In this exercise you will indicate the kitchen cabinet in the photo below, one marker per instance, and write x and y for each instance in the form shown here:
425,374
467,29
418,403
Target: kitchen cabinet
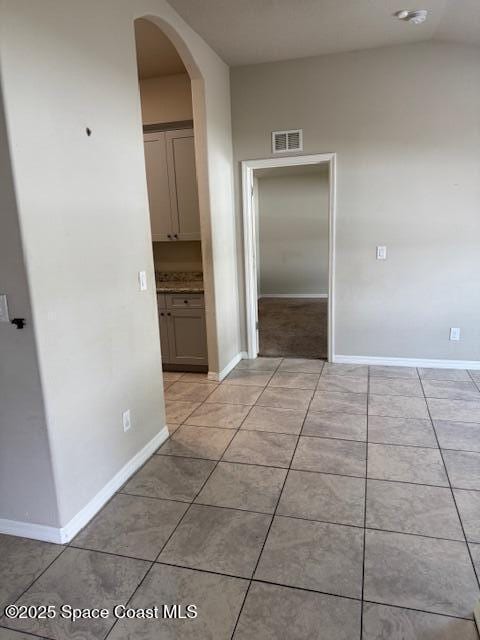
157,184
172,185
186,336
182,329
163,324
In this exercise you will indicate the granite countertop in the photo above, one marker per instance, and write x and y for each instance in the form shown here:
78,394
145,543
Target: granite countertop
179,281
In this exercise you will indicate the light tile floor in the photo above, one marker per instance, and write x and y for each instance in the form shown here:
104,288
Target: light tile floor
296,500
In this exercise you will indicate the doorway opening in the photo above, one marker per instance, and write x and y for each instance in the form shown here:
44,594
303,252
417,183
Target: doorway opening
289,246
171,172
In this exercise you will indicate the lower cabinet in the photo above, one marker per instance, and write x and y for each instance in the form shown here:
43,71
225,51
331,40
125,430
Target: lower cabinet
164,346
182,330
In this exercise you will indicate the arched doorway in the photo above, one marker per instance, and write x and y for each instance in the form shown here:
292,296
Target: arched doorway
172,98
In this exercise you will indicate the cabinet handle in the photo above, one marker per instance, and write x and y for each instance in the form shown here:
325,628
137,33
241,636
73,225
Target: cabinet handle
168,313
161,313
185,302
175,235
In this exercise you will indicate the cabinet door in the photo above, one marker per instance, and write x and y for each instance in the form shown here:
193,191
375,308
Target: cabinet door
158,186
187,336
164,342
183,184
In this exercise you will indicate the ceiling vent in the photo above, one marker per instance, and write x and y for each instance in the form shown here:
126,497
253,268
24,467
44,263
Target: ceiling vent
283,141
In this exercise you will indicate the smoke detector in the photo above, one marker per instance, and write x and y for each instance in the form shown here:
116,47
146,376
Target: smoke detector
415,16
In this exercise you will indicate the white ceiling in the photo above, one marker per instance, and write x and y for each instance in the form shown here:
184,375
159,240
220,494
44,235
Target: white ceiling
254,31
156,55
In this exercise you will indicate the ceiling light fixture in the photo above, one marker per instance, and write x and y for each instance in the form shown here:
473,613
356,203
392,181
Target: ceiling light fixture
415,16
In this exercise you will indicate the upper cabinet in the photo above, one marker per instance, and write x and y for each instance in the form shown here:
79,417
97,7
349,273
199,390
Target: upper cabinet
172,185
158,186
183,183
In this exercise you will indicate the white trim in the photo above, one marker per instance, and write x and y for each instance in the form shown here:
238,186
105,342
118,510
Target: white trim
408,362
249,215
30,530
219,376
62,535
293,295
332,244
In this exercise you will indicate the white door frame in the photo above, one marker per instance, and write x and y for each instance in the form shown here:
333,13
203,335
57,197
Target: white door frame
249,239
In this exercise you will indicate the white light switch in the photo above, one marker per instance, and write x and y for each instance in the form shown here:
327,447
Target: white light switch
454,333
381,253
3,308
142,280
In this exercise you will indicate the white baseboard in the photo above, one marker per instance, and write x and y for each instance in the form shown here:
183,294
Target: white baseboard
293,295
64,534
30,530
219,376
408,362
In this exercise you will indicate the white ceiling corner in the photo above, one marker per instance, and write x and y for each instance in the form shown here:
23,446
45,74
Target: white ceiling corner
255,31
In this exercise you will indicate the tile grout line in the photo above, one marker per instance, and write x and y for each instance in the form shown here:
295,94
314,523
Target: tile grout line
27,633
309,590
185,513
70,545
261,550
309,435
251,407
324,437
273,515
190,504
2,617
217,384
236,430
184,423
177,525
477,384
362,606
270,582
291,516
374,415
277,515
454,499
366,476
386,444
328,473
433,613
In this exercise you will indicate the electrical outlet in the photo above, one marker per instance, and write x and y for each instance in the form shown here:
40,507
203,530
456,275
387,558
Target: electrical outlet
381,253
3,308
142,280
127,422
454,333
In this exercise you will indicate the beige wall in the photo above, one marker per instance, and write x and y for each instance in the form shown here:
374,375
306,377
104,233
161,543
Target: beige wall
83,210
177,256
293,233
27,490
166,99
405,123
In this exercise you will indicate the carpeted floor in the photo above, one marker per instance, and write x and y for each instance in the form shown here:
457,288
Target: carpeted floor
293,327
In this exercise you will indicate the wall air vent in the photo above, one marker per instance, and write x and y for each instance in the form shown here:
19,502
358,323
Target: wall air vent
283,141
